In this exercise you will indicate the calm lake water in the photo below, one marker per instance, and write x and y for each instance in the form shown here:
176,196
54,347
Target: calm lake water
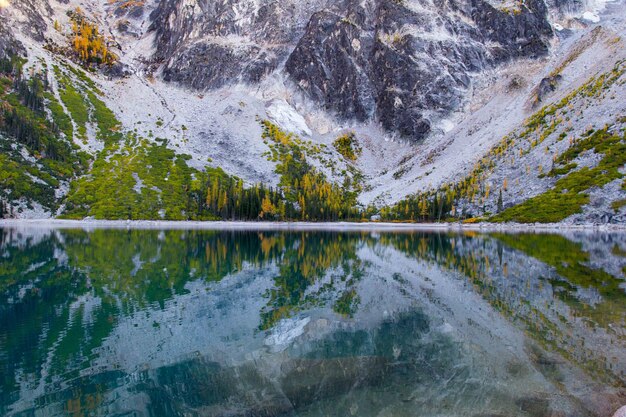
226,323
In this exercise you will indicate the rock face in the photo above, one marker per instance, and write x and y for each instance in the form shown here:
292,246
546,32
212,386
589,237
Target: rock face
207,44
563,8
30,21
32,16
548,85
406,63
8,45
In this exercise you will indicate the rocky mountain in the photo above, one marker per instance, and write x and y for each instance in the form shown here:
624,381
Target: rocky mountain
390,99
406,64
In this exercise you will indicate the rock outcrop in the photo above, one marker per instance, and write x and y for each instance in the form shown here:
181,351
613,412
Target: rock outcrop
29,18
410,63
403,63
207,44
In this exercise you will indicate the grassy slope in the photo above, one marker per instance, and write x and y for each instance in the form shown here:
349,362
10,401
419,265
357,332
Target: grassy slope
569,194
131,178
477,189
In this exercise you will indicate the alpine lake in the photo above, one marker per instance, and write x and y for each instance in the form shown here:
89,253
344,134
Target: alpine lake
146,322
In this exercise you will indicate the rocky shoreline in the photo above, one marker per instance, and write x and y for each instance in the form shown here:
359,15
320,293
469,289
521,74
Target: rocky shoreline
296,226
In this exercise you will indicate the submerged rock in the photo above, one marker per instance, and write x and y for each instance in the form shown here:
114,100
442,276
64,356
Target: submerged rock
306,381
534,406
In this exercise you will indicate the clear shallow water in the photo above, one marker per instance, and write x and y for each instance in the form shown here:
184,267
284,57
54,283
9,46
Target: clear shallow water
149,322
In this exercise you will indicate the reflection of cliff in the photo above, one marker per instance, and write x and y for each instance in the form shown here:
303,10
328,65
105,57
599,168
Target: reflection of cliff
212,323
576,279
401,366
305,264
546,284
63,293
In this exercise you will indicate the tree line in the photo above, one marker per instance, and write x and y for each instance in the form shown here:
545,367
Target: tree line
225,197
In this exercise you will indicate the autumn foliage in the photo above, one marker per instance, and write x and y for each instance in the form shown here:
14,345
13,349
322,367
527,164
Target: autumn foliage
88,43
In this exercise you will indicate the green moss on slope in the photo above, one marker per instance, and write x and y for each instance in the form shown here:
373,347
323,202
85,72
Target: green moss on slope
139,180
60,118
568,196
74,102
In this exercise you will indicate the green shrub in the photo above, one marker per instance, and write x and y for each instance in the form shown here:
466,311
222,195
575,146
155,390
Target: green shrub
348,146
617,205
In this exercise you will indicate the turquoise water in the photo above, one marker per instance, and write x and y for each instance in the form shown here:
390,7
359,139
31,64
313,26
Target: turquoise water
225,323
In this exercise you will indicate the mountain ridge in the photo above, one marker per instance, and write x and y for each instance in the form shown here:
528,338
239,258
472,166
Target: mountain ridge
219,126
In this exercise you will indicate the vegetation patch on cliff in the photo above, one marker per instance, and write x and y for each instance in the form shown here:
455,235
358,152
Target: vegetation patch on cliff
568,195
88,43
35,156
311,195
347,146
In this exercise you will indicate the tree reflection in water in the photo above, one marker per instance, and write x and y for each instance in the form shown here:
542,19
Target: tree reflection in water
358,322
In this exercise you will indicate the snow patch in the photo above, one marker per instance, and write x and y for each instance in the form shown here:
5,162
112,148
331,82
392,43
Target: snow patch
285,116
591,16
593,9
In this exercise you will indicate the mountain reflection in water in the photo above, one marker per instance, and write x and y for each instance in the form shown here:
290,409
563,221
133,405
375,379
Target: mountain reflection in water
225,323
